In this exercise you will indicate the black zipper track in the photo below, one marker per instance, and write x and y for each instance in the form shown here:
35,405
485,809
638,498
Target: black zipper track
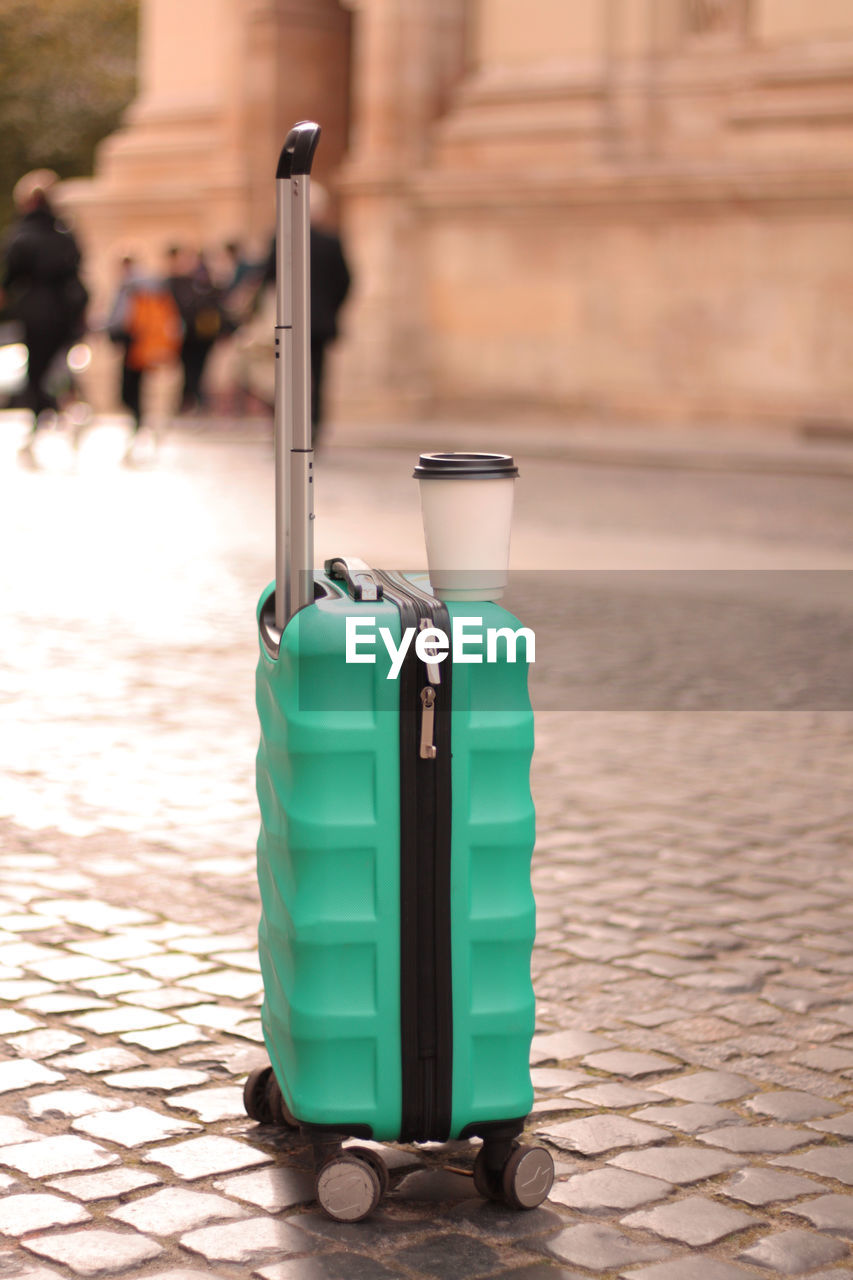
426,996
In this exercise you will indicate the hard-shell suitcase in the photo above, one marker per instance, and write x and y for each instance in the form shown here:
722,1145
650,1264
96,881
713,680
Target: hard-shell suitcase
397,829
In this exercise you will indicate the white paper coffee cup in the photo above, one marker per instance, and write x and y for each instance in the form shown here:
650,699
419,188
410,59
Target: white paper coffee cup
466,501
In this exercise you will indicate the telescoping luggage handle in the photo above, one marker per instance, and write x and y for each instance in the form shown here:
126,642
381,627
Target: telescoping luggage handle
294,456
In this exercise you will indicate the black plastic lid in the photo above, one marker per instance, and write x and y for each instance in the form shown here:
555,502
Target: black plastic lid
466,466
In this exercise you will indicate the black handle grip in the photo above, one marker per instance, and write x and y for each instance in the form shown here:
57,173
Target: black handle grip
361,583
297,154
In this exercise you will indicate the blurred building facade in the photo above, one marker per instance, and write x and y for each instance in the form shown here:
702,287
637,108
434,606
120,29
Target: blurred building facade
629,208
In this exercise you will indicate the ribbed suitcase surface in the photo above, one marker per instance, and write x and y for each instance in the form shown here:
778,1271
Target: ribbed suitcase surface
329,854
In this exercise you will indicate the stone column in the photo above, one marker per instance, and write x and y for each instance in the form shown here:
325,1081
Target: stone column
406,53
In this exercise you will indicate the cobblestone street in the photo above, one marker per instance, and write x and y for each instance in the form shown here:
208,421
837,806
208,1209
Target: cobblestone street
693,1060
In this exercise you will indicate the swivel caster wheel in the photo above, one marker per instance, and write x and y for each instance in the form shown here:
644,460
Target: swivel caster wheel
349,1188
374,1159
255,1096
527,1177
486,1179
276,1107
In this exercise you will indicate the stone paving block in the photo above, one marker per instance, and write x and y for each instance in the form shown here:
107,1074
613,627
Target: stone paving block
44,1044
829,1162
825,1059
120,946
435,1186
35,1272
655,1017
170,967
72,968
133,1127
841,1126
379,1233
203,1157
273,1188
20,1214
119,985
450,1257
792,1105
688,1117
13,1131
695,1221
247,1241
23,989
183,1273
11,1021
632,1065
609,1189
497,1223
24,1073
23,953
789,1253
160,997
221,1017
837,1273
613,1096
542,1271
594,1135
601,1248
562,1045
92,1253
157,1079
175,1209
204,943
109,1022
210,1105
332,1266
764,1186
112,1184
100,917
98,1061
682,1165
242,959
704,1086
59,1002
232,984
163,1038
758,1139
831,1213
62,1154
555,1078
688,1269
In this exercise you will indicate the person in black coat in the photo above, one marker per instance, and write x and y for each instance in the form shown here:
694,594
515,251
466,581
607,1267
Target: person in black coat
330,284
41,286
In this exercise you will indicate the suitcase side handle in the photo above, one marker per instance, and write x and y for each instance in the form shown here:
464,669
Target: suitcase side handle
297,154
358,576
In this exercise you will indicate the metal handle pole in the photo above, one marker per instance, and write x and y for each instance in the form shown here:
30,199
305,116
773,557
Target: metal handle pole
301,451
294,457
283,414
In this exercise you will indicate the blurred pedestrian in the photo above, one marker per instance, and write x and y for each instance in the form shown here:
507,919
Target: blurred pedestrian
330,284
42,291
199,302
145,322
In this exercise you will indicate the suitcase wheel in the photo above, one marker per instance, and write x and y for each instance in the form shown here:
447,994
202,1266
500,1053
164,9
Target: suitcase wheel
527,1177
522,1182
376,1162
349,1187
255,1095
263,1101
276,1106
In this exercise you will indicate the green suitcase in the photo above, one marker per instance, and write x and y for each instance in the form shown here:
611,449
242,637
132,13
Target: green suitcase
397,828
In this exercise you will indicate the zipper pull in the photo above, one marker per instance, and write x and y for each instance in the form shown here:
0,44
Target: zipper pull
428,751
433,669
